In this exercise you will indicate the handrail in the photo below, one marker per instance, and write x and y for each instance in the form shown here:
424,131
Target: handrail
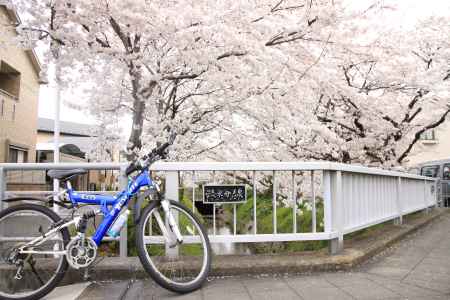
221,166
61,166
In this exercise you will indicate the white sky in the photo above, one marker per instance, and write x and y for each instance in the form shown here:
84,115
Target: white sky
407,13
47,100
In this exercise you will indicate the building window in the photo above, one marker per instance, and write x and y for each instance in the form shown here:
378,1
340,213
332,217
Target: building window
428,135
17,155
9,80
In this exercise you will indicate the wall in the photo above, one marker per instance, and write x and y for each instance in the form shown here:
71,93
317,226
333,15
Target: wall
21,131
432,150
44,137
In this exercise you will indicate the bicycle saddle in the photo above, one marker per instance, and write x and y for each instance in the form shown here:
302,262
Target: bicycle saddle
65,174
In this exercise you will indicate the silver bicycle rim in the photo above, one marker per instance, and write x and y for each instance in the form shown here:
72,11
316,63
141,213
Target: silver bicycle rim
2,263
203,243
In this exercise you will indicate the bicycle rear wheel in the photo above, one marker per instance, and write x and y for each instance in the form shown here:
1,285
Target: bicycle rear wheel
182,268
40,273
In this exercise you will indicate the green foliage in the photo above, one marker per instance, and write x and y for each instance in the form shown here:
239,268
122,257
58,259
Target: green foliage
264,213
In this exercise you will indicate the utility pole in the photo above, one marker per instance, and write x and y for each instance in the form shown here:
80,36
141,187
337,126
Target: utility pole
56,130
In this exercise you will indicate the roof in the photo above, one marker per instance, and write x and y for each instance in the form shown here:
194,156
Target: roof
67,128
434,162
83,143
12,14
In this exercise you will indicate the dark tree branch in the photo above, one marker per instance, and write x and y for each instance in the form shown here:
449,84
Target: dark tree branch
182,76
118,30
232,53
390,120
282,38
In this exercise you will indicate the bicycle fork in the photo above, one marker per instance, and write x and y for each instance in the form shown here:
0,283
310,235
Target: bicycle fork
170,220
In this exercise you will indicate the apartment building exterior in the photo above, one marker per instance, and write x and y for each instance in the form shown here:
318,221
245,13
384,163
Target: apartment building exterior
19,93
434,145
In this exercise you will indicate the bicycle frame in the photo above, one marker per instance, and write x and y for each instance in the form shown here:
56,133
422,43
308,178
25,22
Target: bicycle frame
117,202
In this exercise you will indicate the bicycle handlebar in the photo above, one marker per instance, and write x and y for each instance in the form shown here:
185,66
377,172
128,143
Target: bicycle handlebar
147,160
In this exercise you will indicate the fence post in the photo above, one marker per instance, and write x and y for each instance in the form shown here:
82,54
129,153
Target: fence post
123,239
171,193
336,245
399,219
2,186
425,197
327,212
436,194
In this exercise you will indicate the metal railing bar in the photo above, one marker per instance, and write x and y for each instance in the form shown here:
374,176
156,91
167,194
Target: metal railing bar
348,183
379,199
150,225
234,206
255,230
294,200
356,197
24,239
48,193
387,189
250,238
123,238
370,202
62,166
274,202
2,186
219,166
279,166
313,212
193,191
214,207
327,189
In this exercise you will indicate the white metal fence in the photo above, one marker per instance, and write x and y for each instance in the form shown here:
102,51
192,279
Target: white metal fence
352,197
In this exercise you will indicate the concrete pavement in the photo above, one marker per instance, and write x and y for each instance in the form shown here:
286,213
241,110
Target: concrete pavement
416,268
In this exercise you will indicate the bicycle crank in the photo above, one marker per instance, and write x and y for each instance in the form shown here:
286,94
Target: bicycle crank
79,254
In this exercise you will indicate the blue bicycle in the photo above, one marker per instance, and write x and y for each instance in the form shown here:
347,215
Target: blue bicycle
37,246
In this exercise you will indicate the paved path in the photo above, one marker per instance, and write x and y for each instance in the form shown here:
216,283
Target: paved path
416,268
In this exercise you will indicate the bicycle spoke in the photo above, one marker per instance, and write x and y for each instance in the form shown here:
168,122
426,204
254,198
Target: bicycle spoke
18,226
33,269
184,264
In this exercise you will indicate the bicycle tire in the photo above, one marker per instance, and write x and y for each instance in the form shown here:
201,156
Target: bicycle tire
63,266
150,267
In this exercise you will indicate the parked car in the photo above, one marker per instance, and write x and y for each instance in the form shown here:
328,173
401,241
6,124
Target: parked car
438,169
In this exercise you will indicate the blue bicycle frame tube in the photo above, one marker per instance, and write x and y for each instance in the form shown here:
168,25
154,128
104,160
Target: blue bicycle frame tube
116,202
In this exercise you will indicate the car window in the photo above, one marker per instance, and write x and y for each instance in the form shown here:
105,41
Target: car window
430,171
446,172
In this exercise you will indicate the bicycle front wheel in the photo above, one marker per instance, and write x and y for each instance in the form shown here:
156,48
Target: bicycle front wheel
181,268
32,275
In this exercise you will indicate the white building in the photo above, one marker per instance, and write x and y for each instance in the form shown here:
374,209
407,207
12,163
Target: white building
434,145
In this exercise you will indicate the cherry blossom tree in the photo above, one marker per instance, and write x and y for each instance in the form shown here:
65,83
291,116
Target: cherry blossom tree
367,98
181,66
253,80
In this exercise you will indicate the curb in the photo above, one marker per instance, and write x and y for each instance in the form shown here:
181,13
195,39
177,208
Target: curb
131,268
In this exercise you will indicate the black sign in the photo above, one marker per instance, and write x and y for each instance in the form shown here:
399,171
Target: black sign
228,193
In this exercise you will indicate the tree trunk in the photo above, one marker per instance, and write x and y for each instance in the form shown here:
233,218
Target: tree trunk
140,95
